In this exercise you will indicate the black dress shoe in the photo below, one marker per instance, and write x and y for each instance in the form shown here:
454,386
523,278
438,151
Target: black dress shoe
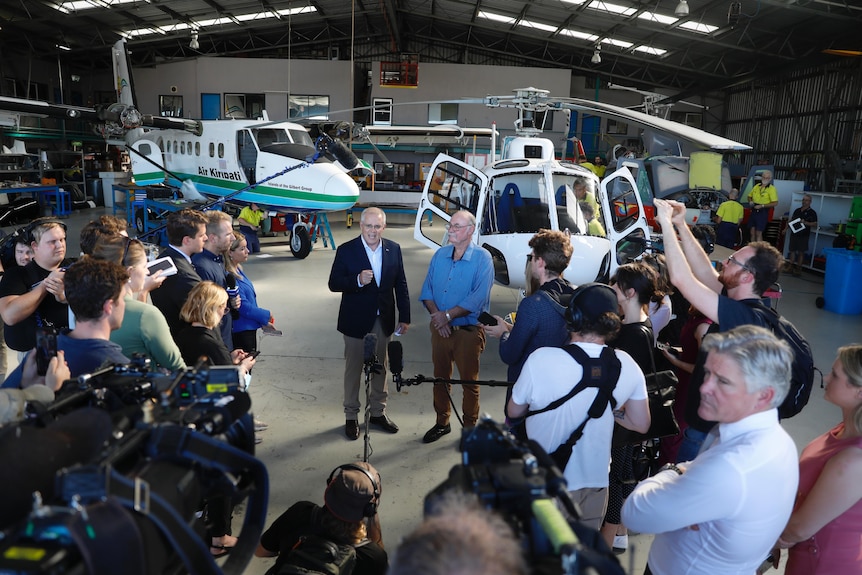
384,423
436,433
351,429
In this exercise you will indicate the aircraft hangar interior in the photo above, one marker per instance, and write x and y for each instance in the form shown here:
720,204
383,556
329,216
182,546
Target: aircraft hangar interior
317,109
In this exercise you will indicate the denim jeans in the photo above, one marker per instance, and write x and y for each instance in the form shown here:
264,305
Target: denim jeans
691,442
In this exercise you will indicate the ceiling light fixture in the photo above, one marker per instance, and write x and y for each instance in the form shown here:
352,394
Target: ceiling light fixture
597,56
681,9
194,44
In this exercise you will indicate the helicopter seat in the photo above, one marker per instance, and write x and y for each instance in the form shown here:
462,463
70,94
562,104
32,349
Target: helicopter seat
509,200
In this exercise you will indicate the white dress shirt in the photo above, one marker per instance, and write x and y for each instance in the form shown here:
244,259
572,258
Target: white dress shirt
739,492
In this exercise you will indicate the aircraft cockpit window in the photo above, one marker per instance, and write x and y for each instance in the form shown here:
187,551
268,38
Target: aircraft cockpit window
268,136
452,189
145,149
301,137
516,205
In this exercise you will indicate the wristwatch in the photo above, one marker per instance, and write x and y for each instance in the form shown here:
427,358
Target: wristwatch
672,467
448,317
505,336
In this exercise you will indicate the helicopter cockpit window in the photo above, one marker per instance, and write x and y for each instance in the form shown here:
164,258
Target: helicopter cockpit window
622,198
516,205
452,189
577,208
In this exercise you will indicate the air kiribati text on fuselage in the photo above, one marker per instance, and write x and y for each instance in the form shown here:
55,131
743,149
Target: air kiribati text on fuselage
214,173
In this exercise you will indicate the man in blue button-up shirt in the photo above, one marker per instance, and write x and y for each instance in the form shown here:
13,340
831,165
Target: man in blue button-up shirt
456,290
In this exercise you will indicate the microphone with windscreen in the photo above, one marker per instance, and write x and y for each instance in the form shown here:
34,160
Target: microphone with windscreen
232,292
370,343
396,362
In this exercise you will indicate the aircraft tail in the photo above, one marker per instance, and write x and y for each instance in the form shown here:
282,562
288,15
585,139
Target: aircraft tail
122,74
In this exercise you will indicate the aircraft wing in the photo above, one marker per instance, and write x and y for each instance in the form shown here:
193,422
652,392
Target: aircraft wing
694,136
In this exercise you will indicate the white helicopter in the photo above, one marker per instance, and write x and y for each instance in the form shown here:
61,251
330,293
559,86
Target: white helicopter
529,189
276,165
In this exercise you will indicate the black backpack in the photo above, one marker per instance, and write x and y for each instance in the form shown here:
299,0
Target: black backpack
802,370
314,554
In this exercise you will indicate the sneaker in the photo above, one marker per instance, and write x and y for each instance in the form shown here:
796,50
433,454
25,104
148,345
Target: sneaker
621,543
260,425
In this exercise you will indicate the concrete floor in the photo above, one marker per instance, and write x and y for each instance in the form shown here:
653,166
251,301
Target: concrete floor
297,385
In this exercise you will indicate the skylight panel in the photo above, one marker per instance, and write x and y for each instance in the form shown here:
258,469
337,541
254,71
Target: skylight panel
659,18
651,50
591,38
496,17
537,25
698,27
612,8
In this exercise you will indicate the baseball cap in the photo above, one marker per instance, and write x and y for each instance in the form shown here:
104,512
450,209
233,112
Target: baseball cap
593,300
350,491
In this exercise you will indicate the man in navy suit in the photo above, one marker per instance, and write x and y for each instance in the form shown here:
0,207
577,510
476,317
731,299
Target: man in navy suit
187,236
369,273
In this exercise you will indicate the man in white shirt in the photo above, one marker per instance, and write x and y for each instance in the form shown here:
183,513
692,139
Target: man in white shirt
722,512
550,373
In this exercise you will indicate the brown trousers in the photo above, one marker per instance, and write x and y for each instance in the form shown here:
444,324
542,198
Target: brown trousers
462,348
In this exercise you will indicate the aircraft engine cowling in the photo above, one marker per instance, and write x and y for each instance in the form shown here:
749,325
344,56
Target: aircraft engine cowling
337,152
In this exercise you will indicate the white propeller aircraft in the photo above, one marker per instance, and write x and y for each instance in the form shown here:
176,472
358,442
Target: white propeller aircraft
529,189
276,165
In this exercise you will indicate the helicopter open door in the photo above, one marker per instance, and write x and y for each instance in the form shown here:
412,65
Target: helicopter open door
146,163
625,219
451,186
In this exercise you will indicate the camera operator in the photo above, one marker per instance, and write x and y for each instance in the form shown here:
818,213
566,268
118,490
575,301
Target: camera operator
549,375
349,517
94,289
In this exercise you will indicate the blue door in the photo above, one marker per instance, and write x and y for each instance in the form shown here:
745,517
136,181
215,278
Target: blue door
210,106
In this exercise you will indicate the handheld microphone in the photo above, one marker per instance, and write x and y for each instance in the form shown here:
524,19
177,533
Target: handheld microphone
396,362
232,292
370,342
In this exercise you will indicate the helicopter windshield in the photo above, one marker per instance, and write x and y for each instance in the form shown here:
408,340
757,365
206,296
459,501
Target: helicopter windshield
519,206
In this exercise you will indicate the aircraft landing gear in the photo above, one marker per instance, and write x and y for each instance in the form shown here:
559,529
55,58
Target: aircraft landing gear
300,242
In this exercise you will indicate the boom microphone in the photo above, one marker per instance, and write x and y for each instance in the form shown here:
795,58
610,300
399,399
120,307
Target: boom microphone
396,362
370,342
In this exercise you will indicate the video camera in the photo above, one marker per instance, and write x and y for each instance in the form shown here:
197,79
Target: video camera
520,481
129,455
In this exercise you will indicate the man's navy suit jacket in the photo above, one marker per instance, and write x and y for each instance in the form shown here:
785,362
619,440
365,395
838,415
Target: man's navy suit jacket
172,294
359,305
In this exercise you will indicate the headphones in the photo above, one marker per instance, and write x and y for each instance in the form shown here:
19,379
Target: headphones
574,314
370,509
27,231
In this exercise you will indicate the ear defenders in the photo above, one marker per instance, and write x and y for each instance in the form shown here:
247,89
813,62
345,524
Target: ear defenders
370,509
27,231
575,314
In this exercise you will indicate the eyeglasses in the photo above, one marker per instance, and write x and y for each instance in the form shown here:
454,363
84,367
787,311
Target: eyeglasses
377,227
530,257
731,259
458,227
